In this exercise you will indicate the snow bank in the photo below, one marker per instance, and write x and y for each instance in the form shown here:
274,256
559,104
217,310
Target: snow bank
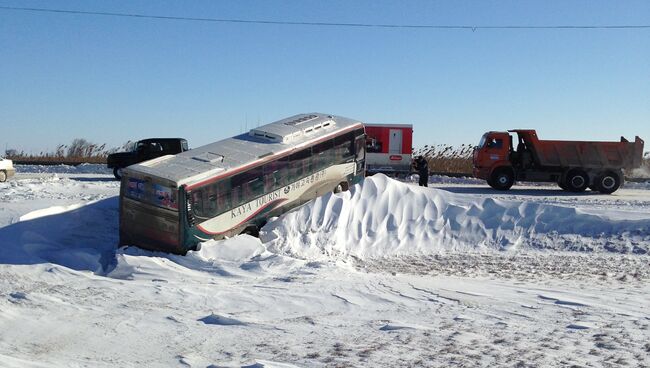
383,217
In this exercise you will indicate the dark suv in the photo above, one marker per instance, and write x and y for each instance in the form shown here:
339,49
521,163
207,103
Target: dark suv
145,149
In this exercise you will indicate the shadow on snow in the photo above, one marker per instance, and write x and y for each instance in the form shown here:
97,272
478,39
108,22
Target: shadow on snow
83,239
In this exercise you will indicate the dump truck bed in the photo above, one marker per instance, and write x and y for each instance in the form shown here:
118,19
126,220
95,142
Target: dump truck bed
585,154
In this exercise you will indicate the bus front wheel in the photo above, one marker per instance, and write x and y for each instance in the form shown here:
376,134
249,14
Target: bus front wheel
342,187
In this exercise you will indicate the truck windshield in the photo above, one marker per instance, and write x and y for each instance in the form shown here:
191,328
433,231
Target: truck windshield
481,143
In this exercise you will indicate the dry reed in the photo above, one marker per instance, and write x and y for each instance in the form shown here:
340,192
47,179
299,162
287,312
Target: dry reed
444,158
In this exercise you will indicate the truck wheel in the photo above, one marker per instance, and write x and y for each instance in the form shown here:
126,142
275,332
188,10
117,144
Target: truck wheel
3,176
117,172
608,182
576,181
502,179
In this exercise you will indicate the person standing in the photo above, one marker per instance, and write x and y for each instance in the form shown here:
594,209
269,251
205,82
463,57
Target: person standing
422,166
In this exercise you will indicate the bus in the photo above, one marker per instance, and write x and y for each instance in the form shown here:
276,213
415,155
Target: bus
175,202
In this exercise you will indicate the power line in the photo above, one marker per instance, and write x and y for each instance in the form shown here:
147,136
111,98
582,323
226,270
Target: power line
324,24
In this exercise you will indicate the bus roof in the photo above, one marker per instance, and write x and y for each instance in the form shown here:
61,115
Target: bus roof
204,162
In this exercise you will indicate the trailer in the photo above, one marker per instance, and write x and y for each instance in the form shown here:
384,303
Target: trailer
573,165
389,149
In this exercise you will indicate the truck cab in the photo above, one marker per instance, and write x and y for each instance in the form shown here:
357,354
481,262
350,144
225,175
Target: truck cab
144,150
493,150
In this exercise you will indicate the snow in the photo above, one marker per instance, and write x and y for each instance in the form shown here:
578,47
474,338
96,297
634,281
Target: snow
387,218
456,274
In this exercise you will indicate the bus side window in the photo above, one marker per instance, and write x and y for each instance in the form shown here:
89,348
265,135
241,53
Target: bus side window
300,164
235,196
197,203
212,200
212,203
210,207
283,171
275,174
254,188
223,199
322,154
344,146
249,183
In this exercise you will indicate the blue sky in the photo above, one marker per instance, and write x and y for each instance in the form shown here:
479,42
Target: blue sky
110,80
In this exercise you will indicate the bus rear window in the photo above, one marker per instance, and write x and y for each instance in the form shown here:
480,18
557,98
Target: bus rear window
155,194
135,189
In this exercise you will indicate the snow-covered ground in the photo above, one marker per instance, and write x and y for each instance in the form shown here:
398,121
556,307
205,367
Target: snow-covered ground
388,274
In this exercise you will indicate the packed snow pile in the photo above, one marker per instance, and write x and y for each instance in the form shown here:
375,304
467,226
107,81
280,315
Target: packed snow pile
383,217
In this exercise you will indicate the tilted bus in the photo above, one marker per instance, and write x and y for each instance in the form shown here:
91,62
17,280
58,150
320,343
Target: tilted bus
175,202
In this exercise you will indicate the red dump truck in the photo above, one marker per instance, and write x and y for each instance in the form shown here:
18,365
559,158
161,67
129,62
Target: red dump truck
573,165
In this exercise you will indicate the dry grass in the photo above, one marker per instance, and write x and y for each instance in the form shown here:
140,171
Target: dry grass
444,158
52,160
78,152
